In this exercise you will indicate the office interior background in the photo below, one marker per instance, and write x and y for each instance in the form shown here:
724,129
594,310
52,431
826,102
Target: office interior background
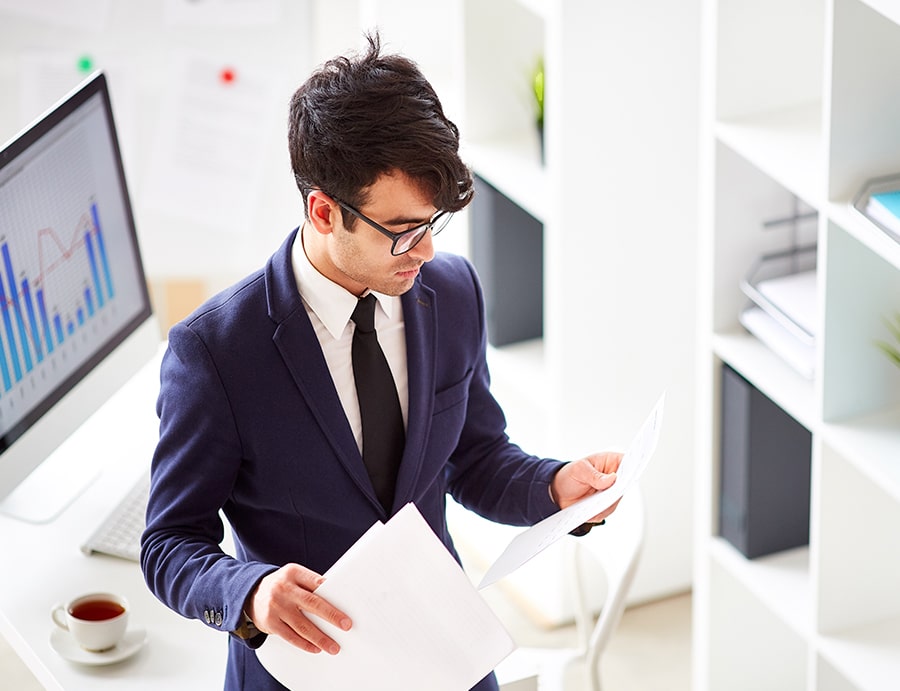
673,132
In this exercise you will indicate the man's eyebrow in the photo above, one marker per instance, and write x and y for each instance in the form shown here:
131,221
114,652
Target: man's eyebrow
408,221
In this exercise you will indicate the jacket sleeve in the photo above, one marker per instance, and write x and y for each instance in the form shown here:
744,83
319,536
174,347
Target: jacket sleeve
193,470
488,473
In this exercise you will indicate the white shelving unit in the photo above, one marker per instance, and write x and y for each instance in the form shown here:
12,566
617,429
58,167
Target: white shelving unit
802,99
616,194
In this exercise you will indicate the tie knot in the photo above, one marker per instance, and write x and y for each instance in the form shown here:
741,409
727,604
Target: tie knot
364,314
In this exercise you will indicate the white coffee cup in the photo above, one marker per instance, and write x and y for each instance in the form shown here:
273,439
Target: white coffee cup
97,621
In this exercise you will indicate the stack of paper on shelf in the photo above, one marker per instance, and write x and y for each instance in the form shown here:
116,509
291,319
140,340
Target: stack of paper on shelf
783,317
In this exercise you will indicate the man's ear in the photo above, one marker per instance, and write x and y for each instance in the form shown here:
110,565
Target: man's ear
321,209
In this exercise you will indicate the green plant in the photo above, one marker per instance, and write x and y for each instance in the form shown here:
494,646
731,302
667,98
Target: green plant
537,88
890,349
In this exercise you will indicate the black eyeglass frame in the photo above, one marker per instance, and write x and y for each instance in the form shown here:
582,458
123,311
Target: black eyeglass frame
437,223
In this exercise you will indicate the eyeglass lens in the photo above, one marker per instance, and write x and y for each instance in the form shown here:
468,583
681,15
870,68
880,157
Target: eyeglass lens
405,242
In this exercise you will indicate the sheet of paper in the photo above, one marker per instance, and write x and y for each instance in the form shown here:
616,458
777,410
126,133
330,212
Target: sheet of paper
47,76
538,537
209,159
417,619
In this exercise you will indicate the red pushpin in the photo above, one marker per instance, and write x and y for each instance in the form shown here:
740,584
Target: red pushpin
227,76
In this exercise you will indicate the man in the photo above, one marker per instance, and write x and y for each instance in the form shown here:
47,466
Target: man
261,405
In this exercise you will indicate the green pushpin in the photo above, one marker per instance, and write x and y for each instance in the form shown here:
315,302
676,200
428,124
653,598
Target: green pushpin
85,64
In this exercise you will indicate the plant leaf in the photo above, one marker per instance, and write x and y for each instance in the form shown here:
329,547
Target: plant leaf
890,351
894,327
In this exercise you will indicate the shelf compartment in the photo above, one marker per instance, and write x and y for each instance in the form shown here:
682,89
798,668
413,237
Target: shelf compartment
770,374
787,145
846,216
512,165
872,445
857,563
499,104
858,378
863,101
779,581
748,199
753,647
787,45
507,249
868,657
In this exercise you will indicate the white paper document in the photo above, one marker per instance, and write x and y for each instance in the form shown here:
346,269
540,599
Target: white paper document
209,157
416,619
538,537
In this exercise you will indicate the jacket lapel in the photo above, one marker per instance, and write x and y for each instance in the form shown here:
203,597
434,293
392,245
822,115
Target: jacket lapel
420,322
298,344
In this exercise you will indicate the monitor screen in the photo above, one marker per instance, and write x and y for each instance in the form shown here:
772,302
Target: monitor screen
72,284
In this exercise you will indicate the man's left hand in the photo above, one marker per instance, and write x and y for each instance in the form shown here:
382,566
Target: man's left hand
587,476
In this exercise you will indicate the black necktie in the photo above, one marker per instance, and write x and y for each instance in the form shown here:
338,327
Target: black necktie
379,406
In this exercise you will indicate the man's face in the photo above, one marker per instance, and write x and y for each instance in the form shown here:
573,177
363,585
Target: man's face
361,257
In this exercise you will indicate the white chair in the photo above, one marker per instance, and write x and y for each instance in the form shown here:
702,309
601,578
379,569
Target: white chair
613,550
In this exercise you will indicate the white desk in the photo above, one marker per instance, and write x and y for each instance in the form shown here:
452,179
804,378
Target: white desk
42,565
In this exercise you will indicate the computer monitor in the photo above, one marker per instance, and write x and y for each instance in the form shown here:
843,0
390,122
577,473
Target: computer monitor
75,315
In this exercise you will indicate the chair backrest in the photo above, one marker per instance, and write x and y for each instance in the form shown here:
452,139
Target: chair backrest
616,547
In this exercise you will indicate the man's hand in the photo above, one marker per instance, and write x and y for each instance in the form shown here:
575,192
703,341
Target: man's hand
278,603
582,478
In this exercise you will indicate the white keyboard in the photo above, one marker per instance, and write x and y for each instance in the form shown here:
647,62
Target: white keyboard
120,533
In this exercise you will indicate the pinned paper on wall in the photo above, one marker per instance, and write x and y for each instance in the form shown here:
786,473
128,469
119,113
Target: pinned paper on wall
207,164
91,15
47,76
222,12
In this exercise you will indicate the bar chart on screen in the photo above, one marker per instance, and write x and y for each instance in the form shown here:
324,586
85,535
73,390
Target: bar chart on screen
82,292
57,297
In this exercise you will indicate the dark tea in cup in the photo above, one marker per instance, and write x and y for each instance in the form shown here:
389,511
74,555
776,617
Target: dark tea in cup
96,610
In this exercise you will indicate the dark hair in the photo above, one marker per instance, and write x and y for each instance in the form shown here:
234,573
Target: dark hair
359,117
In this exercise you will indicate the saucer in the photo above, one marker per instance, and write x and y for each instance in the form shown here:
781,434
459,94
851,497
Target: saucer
65,646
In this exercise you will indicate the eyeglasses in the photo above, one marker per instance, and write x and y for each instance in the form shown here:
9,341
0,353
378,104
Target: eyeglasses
401,243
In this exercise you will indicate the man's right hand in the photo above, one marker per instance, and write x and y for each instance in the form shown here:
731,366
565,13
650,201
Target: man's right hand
279,603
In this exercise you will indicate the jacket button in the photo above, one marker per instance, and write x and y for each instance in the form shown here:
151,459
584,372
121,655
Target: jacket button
207,617
218,618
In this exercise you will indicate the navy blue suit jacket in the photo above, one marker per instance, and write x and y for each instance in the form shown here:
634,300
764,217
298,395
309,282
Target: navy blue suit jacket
251,423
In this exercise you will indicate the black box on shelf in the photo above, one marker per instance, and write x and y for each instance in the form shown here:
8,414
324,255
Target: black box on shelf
765,471
507,247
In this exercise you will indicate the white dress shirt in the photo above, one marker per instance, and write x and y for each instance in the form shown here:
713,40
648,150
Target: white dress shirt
329,307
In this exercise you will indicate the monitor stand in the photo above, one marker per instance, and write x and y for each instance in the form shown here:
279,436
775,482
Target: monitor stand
52,486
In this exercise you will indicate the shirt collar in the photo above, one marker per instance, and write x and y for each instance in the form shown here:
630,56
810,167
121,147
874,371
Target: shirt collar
331,303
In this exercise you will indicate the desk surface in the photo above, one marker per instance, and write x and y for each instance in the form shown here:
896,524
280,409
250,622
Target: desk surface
43,565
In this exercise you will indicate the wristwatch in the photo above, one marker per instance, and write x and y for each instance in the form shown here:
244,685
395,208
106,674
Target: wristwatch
585,528
247,629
